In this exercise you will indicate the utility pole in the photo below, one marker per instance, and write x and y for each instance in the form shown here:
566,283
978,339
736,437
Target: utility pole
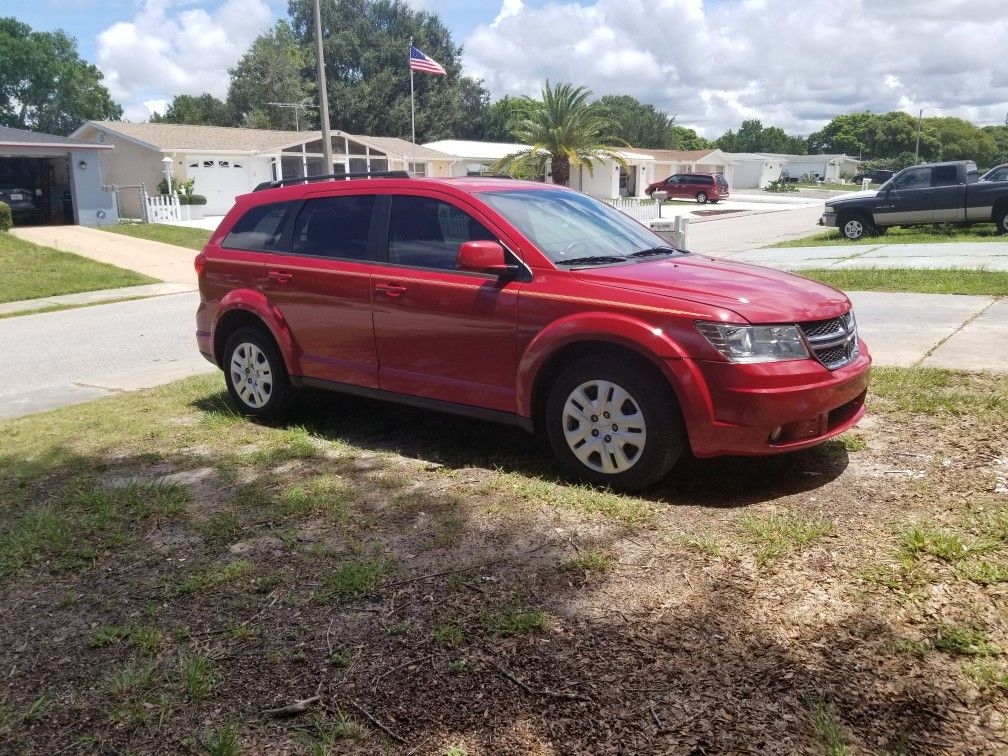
920,115
323,93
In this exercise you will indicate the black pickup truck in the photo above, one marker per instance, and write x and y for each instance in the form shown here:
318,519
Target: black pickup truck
921,195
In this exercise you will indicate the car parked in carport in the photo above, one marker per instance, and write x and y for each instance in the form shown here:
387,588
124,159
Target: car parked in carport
526,304
21,202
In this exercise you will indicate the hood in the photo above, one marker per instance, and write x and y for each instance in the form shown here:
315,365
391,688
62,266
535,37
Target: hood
853,196
760,295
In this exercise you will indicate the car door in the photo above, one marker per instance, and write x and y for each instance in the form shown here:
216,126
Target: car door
948,198
907,200
322,287
442,333
240,262
671,185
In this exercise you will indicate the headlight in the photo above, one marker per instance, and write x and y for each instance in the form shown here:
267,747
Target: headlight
830,210
748,344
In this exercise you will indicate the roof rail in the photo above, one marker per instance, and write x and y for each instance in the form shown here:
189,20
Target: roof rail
331,177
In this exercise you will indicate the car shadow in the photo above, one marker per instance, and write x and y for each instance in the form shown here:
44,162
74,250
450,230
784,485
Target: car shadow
460,442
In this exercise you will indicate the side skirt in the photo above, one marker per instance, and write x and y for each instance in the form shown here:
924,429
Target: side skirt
466,410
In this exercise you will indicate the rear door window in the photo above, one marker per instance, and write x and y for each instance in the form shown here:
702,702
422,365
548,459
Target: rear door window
260,229
335,227
426,232
944,175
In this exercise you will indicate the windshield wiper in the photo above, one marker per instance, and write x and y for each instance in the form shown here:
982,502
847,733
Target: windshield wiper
658,251
598,259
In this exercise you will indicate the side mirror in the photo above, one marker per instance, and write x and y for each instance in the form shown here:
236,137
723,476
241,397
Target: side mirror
483,257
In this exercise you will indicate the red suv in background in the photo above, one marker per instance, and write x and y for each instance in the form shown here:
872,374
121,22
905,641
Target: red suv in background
703,187
527,304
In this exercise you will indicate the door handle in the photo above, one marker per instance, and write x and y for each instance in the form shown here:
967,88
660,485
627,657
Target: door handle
392,290
280,276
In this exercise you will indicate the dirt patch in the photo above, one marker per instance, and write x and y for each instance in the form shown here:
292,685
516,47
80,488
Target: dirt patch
425,584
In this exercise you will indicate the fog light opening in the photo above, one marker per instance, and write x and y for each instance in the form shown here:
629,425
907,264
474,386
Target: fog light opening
777,434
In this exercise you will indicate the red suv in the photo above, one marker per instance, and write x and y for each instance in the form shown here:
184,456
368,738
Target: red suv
703,187
527,304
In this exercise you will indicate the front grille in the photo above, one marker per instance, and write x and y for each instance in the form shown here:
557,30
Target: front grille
833,342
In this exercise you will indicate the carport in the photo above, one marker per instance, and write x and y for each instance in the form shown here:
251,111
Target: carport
50,179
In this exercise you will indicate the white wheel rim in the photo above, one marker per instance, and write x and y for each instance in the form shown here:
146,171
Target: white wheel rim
251,375
604,427
853,229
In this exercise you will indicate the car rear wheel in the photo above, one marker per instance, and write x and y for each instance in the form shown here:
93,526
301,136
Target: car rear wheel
255,374
701,197
1002,220
614,423
854,227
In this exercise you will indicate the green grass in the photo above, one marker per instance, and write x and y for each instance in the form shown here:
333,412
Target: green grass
588,560
180,236
512,623
980,232
60,308
949,281
353,580
983,572
926,539
198,680
31,271
987,674
777,535
931,391
827,729
223,742
962,641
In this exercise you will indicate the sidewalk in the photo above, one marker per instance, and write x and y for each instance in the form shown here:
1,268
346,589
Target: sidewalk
95,297
986,255
162,261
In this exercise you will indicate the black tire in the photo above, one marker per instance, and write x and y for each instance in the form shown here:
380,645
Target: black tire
266,391
854,227
654,411
1001,219
701,198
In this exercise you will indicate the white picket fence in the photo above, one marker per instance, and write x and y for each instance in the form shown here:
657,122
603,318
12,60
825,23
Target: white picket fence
639,210
163,208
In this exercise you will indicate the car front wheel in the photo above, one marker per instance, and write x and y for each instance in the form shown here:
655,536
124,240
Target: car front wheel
614,423
854,227
255,374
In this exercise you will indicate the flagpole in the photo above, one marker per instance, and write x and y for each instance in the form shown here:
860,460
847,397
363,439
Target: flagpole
412,103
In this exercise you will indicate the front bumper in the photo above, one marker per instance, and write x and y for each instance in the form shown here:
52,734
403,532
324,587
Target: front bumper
828,219
733,409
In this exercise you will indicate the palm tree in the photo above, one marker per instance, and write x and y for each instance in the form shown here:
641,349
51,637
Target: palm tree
563,128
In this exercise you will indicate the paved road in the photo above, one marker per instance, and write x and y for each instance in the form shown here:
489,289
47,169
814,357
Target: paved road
726,235
59,358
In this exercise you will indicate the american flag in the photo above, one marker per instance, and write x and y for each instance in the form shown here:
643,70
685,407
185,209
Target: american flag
420,62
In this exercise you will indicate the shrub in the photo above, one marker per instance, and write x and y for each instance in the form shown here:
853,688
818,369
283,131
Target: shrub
183,199
197,199
6,221
781,185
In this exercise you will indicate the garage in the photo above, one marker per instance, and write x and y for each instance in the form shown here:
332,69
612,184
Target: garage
220,179
48,179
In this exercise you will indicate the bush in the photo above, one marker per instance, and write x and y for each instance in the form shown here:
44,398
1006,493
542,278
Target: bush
6,221
197,199
183,200
781,185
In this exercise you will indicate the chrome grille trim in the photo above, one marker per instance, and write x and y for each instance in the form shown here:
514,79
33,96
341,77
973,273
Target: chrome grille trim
833,342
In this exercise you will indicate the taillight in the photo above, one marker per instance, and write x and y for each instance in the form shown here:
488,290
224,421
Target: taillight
200,264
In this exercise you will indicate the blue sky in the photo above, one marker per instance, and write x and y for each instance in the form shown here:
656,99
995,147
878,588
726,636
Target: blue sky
711,63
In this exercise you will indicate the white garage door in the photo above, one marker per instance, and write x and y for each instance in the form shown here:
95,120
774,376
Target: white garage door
220,180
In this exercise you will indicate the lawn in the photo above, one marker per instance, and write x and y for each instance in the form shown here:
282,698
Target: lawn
981,232
948,281
180,236
31,271
376,579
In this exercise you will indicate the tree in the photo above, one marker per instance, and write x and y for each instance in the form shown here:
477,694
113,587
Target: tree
366,46
273,70
201,110
563,129
44,83
638,124
1000,136
752,136
498,117
682,138
961,140
848,134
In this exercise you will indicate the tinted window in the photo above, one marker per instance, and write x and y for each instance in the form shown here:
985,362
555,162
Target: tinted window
427,232
260,229
999,175
915,178
721,180
944,175
334,227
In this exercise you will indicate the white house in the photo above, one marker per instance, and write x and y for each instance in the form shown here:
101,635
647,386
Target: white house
226,162
827,167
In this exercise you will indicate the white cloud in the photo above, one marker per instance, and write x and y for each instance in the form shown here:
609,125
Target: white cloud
793,65
176,48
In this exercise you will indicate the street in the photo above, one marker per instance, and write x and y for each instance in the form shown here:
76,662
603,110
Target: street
59,358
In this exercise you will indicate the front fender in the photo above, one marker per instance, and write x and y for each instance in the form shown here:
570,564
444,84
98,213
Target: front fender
256,303
653,343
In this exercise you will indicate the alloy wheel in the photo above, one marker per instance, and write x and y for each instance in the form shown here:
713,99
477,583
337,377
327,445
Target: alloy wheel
604,427
251,375
853,229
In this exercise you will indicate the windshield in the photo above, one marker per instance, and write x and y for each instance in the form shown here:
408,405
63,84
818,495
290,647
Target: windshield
574,229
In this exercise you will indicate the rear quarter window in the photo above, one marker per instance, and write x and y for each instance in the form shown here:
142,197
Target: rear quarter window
260,229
